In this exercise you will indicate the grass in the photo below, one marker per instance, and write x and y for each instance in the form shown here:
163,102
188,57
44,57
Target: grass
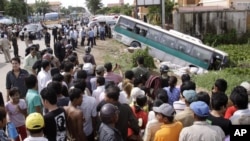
206,81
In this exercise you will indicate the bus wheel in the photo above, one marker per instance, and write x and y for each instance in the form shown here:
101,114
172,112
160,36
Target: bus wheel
135,44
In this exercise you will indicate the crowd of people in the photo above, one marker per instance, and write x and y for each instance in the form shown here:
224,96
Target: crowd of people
54,98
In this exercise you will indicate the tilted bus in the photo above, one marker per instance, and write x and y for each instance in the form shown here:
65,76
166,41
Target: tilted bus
168,45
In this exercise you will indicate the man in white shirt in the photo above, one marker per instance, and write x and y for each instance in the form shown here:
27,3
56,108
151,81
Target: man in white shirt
44,75
100,82
30,60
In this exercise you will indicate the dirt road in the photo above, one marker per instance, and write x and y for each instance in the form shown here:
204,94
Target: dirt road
108,47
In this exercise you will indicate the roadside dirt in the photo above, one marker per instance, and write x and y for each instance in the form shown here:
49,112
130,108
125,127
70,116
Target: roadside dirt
114,49
102,48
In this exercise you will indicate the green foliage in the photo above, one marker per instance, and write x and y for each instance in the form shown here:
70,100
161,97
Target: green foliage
41,7
237,72
64,10
238,55
3,4
148,59
123,9
226,38
233,79
154,14
17,9
93,5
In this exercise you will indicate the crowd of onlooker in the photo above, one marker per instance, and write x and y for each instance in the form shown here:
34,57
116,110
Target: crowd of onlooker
53,97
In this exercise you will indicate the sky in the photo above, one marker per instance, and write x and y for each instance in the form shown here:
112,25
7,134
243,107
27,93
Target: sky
66,3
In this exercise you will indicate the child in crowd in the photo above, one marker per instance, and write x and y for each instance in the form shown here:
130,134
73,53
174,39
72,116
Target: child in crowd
35,124
16,109
3,136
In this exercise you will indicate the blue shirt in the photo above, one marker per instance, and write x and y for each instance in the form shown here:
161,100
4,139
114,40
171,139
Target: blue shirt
107,133
172,96
91,33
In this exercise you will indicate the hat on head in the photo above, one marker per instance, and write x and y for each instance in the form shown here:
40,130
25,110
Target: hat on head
190,95
34,121
246,85
100,69
165,109
136,92
200,108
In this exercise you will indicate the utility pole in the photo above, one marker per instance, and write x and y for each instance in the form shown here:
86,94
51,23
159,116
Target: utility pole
163,13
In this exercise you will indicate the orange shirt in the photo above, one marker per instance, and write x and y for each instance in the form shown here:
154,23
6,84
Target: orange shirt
169,132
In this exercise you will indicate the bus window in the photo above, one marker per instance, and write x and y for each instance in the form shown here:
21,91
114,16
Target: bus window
201,54
141,30
168,41
184,46
129,25
154,35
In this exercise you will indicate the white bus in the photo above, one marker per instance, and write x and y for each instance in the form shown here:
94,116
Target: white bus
53,19
172,46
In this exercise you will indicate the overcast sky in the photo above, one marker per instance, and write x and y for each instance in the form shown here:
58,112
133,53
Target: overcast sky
66,3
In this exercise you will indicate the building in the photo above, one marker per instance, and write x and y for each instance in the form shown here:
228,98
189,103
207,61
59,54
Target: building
235,4
121,2
55,6
141,11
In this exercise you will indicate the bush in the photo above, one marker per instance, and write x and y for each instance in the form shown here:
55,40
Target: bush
148,59
226,38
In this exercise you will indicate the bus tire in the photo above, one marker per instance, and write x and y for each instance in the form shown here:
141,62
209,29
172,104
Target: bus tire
135,44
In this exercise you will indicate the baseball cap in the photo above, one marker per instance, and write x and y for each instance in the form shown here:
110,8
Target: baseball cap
165,109
190,95
200,108
100,69
34,121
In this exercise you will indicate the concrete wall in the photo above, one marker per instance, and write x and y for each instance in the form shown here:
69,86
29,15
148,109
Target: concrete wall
198,23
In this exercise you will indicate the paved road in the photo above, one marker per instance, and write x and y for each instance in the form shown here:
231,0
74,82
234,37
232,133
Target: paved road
5,67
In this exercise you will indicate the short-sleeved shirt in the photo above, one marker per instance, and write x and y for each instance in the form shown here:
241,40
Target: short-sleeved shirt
202,130
173,95
89,58
33,99
88,107
55,125
169,132
111,76
19,82
16,117
107,133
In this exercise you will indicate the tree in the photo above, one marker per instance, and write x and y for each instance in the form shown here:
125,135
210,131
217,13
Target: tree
94,5
65,11
14,9
154,14
124,9
42,7
3,4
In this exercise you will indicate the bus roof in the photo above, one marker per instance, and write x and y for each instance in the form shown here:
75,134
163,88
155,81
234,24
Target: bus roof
176,35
